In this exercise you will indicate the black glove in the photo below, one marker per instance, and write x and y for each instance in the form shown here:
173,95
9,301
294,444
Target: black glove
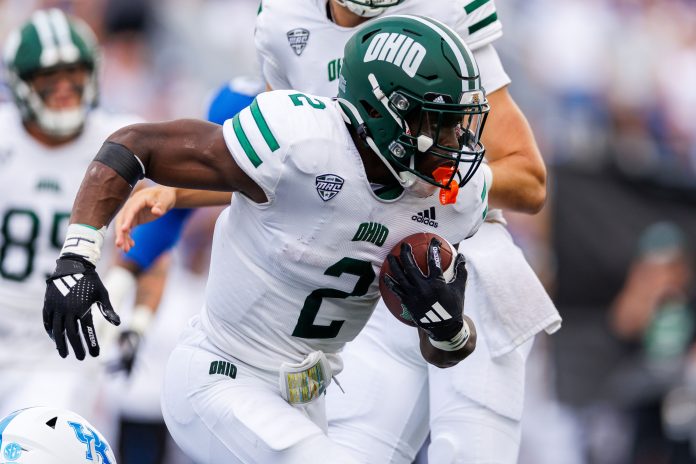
70,292
128,343
435,306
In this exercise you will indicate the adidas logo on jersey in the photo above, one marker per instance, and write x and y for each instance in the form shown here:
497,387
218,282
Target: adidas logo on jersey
427,217
66,283
437,314
397,49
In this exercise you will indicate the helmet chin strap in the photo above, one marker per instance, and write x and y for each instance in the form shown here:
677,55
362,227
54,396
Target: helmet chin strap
405,183
379,95
420,188
410,182
407,179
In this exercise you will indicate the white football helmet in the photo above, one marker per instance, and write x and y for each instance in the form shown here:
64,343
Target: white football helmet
44,435
368,8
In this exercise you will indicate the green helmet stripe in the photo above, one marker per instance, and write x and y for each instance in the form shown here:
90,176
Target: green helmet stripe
49,50
67,49
466,64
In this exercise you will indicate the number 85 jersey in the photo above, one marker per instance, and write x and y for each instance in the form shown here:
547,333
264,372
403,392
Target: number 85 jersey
38,185
298,273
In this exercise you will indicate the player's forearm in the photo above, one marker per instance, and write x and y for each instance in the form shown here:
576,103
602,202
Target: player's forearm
519,174
101,194
189,198
519,183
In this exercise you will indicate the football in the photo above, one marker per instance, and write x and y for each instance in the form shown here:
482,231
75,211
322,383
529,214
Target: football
419,245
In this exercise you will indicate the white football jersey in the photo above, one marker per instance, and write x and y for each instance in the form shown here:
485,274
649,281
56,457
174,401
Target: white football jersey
299,273
38,185
301,48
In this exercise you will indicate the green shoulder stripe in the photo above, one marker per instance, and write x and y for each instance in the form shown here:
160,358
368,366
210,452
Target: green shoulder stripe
263,126
493,17
244,142
475,5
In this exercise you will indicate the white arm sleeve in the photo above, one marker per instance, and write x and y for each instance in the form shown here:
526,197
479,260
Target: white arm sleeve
493,75
271,69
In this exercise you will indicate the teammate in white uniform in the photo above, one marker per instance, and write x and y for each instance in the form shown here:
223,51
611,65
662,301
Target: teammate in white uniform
291,279
472,411
49,139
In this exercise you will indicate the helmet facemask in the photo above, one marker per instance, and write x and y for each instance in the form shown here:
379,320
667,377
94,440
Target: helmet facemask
368,8
430,118
55,122
51,40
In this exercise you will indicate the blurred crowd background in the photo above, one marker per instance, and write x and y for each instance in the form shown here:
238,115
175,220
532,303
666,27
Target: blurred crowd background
609,87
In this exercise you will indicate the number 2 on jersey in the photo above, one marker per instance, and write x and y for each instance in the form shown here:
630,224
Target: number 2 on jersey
298,97
305,327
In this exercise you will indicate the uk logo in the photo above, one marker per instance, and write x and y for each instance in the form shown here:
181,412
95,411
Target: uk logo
297,38
328,186
93,443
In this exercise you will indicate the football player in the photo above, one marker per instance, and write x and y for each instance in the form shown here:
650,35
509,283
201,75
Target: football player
472,411
49,138
290,283
300,44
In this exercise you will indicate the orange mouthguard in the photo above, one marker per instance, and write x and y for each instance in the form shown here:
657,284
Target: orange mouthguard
442,175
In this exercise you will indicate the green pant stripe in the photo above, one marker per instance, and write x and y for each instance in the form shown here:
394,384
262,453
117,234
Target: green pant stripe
475,5
263,126
244,142
483,23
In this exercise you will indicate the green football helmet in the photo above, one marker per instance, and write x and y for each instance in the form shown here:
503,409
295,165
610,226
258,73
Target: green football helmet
411,68
368,8
51,39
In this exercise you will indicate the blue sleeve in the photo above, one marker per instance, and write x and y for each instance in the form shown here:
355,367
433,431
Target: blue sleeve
156,237
231,98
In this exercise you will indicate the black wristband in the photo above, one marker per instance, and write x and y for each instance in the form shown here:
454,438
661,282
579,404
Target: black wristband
121,160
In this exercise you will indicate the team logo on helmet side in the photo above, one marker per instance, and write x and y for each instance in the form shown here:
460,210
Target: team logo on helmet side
92,441
328,186
298,38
